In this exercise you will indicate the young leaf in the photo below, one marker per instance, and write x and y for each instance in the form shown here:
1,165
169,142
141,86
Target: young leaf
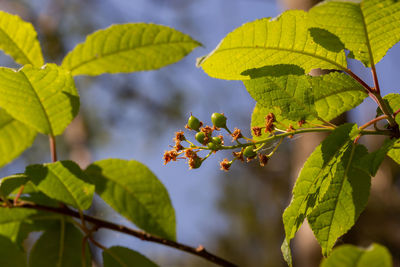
372,161
124,257
311,185
10,183
394,152
15,137
368,29
19,40
345,198
352,256
127,48
11,254
134,191
59,246
284,40
307,97
63,181
45,99
393,102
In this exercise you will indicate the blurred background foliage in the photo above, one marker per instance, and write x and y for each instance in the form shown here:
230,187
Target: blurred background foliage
236,214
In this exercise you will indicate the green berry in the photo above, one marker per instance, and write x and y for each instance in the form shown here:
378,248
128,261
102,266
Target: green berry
194,123
249,152
216,140
212,146
200,136
195,163
219,120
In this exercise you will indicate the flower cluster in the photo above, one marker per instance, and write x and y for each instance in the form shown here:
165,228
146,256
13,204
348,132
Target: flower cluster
211,140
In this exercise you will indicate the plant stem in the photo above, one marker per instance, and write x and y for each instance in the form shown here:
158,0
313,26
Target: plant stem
375,77
373,121
375,95
199,251
53,149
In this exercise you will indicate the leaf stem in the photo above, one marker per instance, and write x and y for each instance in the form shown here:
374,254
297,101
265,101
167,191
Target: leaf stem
53,148
375,95
199,251
371,122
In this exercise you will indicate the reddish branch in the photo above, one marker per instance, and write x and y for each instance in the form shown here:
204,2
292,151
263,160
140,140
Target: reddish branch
199,251
53,150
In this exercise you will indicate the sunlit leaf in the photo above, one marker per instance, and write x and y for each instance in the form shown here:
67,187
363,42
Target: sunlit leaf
352,256
45,99
63,181
284,40
15,137
127,48
315,177
19,40
367,29
346,196
306,97
134,191
124,257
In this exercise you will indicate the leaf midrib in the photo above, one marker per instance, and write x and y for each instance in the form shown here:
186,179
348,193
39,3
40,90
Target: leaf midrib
15,44
319,173
281,49
92,59
40,102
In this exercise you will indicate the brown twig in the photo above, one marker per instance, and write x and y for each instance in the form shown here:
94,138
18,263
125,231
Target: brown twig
53,150
371,122
199,251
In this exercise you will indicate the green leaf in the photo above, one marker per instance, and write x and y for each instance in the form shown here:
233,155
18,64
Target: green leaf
59,246
15,137
284,40
368,29
307,97
127,48
336,93
10,183
291,94
10,254
346,197
258,120
124,257
315,176
393,103
372,161
352,256
134,191
63,181
45,99
286,252
394,152
19,40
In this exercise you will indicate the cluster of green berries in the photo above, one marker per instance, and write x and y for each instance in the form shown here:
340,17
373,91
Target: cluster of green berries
209,141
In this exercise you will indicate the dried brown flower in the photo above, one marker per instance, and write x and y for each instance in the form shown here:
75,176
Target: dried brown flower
256,131
263,159
225,165
236,134
170,155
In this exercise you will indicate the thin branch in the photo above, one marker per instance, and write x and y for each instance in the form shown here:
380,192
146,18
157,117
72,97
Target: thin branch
199,251
375,95
375,77
371,122
53,149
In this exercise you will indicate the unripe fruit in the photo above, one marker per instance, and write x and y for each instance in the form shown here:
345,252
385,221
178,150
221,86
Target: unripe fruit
216,140
219,120
212,146
195,163
200,136
249,152
194,123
